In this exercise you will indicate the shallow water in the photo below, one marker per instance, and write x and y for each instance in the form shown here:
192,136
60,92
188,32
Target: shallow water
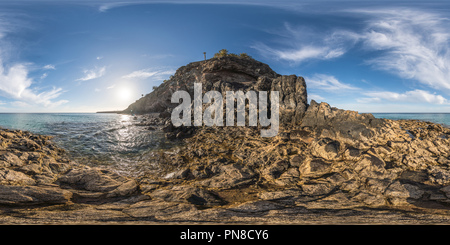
111,140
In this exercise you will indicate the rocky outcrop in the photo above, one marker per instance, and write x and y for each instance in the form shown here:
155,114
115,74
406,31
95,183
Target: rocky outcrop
227,74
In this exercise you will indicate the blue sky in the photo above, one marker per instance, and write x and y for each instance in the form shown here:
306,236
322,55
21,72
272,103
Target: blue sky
86,56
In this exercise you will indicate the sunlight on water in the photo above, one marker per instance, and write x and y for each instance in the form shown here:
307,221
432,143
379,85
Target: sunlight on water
110,140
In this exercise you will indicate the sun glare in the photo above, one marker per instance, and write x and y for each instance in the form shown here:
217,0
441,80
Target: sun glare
124,94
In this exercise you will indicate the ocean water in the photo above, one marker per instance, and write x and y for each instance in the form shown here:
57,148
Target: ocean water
441,118
96,139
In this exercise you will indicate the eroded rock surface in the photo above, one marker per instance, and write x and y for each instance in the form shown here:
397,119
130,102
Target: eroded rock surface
326,165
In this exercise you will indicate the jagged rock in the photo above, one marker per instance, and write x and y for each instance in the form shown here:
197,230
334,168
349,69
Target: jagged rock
229,176
333,122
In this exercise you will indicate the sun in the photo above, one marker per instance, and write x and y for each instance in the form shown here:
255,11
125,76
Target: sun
124,94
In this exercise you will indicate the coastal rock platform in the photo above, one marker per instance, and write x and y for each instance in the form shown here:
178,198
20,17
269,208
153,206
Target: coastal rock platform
325,166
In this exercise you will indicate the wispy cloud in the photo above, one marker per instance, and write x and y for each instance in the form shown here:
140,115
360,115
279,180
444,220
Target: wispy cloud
414,96
410,43
328,83
49,67
303,44
301,54
146,73
107,6
415,45
140,74
94,73
315,97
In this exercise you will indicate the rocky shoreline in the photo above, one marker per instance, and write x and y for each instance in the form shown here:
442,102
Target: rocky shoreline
397,182
325,166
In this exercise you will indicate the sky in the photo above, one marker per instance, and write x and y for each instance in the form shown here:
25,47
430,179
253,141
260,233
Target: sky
88,56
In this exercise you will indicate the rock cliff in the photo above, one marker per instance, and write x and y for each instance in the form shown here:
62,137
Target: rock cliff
227,74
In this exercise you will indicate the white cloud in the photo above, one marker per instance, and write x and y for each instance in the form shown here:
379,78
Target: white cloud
111,87
414,96
15,84
328,83
94,73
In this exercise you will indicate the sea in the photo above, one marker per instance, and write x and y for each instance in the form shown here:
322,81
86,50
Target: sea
441,118
116,142
97,139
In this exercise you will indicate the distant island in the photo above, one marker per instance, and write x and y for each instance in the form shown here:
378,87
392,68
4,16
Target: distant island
115,112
